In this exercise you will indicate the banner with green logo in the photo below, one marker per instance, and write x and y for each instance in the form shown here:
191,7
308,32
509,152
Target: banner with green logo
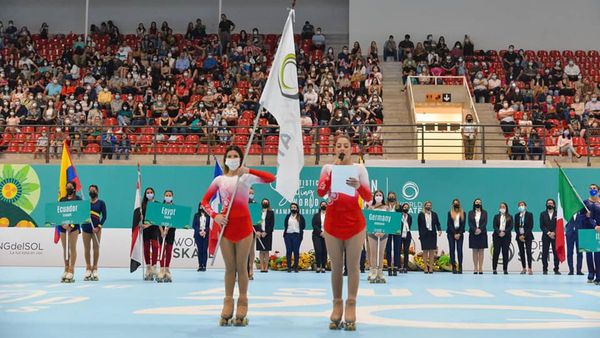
68,212
168,215
383,221
589,240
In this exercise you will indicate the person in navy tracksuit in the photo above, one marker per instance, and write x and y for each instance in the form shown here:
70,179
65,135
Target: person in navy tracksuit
573,225
592,221
201,225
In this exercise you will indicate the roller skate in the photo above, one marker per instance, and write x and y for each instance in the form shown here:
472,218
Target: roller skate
380,278
95,276
88,275
372,275
336,315
161,276
227,312
69,278
241,311
149,275
168,278
350,315
64,276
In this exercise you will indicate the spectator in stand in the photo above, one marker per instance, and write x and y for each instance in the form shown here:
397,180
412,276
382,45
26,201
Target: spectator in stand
318,40
107,143
572,70
525,125
41,146
408,65
509,58
405,46
565,145
53,88
374,51
308,30
226,26
389,49
535,145
517,146
592,107
124,115
507,121
124,146
469,135
480,88
468,46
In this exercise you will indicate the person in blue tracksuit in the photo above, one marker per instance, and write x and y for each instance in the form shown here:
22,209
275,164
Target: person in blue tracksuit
92,233
201,225
573,225
592,221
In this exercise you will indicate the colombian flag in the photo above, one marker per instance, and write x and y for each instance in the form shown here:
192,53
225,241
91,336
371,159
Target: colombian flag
67,174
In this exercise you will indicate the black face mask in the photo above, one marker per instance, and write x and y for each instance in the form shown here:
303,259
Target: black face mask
456,206
477,206
405,210
550,207
70,191
265,205
428,208
323,207
93,194
294,211
391,199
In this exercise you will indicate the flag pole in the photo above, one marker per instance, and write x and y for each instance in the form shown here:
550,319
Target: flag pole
141,226
237,183
571,185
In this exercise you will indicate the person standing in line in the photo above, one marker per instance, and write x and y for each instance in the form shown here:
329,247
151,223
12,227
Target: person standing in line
294,226
201,226
592,221
478,237
237,234
344,232
503,224
167,239
394,241
376,247
92,233
455,229
73,231
548,227
406,237
469,135
429,224
318,238
264,231
524,233
572,240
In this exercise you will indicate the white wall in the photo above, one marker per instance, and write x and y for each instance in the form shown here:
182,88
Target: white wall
492,24
267,15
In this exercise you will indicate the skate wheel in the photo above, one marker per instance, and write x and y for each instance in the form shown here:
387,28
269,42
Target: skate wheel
241,322
350,326
224,322
336,325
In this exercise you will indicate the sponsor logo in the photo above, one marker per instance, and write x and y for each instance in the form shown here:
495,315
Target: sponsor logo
22,248
410,191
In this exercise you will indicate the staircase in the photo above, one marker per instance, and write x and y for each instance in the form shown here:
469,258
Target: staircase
495,143
398,142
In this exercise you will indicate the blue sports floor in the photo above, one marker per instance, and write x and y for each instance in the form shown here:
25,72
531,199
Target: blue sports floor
33,304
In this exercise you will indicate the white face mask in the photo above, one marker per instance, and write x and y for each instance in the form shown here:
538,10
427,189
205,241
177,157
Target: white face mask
168,199
378,199
502,210
232,163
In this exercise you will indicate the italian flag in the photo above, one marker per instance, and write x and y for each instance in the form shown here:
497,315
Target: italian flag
569,203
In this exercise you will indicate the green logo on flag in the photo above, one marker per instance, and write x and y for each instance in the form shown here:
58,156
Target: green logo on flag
68,212
168,215
286,90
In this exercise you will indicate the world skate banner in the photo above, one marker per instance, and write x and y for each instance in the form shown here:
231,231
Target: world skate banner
68,212
589,240
385,222
168,215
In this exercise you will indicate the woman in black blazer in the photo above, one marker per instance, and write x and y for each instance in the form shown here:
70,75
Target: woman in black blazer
201,226
264,232
406,237
478,240
318,239
524,231
292,235
503,224
429,224
455,229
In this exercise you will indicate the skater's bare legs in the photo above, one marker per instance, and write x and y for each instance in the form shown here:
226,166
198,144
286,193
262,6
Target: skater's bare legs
87,239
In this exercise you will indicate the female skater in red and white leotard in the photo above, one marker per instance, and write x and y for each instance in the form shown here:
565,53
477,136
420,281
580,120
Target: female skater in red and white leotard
237,237
344,232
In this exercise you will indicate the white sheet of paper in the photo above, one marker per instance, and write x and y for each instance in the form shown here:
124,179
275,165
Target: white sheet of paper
339,175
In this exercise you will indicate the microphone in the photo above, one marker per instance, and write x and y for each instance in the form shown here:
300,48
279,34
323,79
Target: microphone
341,156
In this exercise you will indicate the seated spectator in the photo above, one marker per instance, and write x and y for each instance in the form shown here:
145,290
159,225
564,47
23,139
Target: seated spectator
224,133
41,145
389,49
124,115
578,106
318,40
76,145
56,144
12,123
406,46
526,125
572,70
565,145
509,58
53,89
124,146
107,143
480,88
138,117
535,144
373,51
507,121
517,146
339,123
183,63
592,107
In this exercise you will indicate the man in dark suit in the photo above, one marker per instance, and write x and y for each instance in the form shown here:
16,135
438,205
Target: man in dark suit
318,240
548,227
524,230
573,243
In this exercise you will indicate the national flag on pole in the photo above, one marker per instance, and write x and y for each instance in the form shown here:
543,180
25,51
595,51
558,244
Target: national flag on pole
215,201
280,98
68,173
136,231
568,204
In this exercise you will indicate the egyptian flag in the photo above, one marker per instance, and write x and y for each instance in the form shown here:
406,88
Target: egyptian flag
67,174
136,230
215,201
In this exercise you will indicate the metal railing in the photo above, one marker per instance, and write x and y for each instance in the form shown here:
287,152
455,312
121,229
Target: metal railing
406,141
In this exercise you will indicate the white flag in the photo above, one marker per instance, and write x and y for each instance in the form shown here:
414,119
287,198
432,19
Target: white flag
280,98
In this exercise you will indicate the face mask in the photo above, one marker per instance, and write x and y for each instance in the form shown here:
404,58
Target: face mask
168,199
323,207
378,199
521,208
428,208
294,211
593,192
232,163
477,206
93,194
251,196
391,199
405,210
70,191
550,207
502,210
265,205
505,105
150,196
456,205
